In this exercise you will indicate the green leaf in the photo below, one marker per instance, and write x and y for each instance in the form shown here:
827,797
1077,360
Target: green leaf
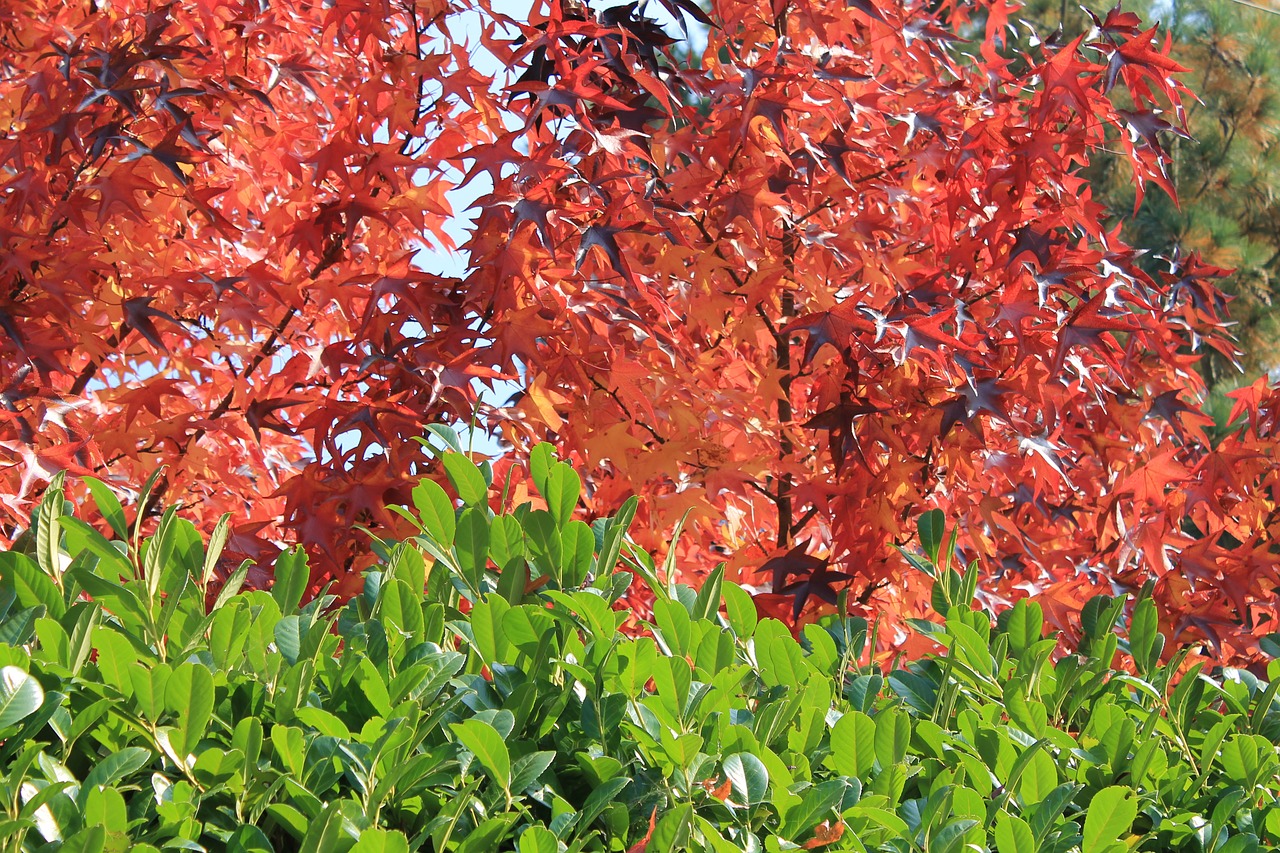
400,609
20,696
674,829
110,770
435,510
611,546
149,680
381,841
92,839
1025,626
1111,813
109,506
330,831
120,600
600,799
233,585
486,837
563,489
526,769
189,695
48,531
932,526
471,542
486,744
815,806
1037,774
155,566
950,839
32,585
249,839
486,628
506,541
863,691
217,542
538,839
577,546
707,604
748,776
1146,643
113,559
853,745
893,735
1013,835
543,538
467,480
292,575
447,434
541,458
741,610
669,561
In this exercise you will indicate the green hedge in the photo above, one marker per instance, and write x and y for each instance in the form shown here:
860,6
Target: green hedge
142,709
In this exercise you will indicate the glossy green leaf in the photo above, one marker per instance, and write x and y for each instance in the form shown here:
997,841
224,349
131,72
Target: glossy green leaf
483,741
471,542
892,736
748,776
741,610
108,506
853,745
1013,835
467,480
189,694
541,458
1024,625
1146,643
381,841
538,839
20,696
707,604
577,549
932,526
435,510
49,528
292,575
563,489
1110,815
113,768
816,805
32,585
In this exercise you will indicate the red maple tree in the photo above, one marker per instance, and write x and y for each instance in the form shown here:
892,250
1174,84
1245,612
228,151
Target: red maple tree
836,268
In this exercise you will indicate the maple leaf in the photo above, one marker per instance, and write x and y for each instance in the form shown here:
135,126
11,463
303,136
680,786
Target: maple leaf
165,152
834,328
1138,52
794,562
1087,324
868,8
819,583
139,314
1150,480
602,237
1169,406
1065,70
1147,126
259,411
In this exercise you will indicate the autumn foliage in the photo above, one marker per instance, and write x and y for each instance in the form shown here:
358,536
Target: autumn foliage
834,269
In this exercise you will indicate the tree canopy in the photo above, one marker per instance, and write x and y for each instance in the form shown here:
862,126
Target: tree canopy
839,267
